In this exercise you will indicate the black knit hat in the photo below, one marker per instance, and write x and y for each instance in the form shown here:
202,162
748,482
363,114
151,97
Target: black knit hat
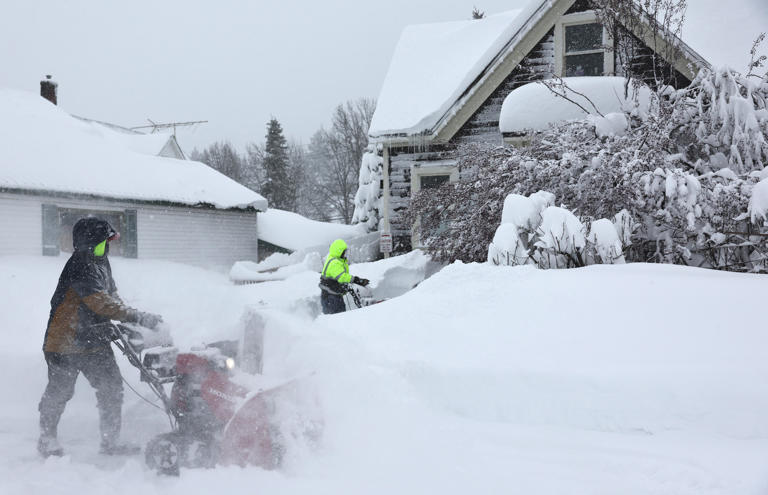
90,231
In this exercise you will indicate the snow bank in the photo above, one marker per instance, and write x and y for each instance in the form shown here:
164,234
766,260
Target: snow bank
434,64
45,149
542,381
250,272
295,232
397,275
534,106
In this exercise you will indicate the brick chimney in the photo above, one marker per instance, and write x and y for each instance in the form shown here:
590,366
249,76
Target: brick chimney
48,89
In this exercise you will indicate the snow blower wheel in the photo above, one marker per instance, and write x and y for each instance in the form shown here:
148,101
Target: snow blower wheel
163,454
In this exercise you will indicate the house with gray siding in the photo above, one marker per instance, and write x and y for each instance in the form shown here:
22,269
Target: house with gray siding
447,83
55,169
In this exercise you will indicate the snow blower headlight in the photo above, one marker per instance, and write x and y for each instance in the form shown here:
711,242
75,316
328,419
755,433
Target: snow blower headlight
230,363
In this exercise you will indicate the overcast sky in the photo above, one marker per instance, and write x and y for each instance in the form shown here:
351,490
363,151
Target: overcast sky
236,63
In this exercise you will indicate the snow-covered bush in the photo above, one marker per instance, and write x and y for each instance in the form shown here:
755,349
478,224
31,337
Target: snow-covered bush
514,240
605,238
677,183
368,196
533,231
722,117
562,240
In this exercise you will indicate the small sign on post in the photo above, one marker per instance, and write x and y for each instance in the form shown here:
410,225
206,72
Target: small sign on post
385,242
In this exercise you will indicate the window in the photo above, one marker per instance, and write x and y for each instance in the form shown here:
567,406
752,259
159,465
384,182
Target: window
433,181
68,218
584,55
580,44
430,177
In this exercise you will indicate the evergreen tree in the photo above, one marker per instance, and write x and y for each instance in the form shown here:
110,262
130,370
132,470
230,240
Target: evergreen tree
278,186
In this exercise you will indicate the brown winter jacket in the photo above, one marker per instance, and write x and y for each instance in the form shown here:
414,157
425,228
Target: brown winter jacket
86,296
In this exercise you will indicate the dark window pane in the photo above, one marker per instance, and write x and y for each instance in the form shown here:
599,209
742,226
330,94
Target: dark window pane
51,229
584,65
583,37
433,181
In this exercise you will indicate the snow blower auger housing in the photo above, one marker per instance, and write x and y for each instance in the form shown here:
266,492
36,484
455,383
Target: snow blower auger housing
213,420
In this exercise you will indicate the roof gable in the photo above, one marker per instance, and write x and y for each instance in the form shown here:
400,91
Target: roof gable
412,104
152,144
431,65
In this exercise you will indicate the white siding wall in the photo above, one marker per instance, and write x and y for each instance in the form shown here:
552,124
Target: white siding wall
197,237
209,238
21,221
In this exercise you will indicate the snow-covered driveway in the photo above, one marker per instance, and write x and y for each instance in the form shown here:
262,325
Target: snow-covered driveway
611,379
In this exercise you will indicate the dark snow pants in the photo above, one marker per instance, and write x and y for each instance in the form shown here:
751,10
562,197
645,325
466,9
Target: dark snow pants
101,371
332,303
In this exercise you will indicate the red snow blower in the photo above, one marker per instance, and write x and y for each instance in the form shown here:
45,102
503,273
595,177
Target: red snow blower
213,420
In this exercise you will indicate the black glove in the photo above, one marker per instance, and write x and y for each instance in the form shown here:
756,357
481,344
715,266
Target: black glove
149,320
360,281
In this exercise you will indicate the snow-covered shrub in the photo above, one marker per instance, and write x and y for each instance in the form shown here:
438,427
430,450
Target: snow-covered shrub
508,248
562,239
525,213
605,239
612,124
513,242
723,118
677,183
533,231
368,196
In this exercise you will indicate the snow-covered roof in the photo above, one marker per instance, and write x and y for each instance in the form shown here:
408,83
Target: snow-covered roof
534,106
295,232
153,144
46,149
432,66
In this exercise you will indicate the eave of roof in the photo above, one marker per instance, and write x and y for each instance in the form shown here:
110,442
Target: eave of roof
253,207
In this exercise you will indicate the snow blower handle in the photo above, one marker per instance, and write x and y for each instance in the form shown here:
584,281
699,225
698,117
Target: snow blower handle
355,296
149,320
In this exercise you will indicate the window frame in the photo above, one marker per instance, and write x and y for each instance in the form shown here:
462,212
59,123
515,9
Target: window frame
417,172
589,17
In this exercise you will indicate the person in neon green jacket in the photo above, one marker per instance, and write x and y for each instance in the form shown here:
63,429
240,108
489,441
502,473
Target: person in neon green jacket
335,277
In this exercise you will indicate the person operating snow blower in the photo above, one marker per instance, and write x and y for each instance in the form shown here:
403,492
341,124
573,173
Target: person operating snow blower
76,340
335,278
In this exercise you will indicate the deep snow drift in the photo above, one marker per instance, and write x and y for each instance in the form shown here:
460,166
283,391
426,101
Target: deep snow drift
608,379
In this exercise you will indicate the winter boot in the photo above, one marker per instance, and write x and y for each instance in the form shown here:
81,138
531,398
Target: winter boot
47,446
119,448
